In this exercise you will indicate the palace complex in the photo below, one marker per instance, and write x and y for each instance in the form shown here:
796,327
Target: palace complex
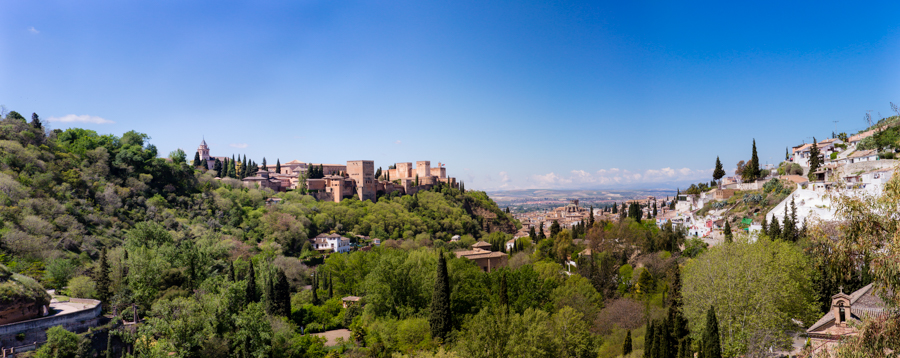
340,181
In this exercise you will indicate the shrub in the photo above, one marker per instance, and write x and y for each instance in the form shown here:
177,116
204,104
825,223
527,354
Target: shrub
82,287
833,156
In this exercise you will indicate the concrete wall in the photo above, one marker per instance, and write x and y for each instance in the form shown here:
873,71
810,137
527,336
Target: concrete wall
34,330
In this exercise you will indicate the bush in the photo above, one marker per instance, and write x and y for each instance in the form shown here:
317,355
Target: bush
82,287
833,156
886,155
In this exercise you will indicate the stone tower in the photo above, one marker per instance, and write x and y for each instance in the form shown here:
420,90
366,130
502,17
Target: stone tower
203,150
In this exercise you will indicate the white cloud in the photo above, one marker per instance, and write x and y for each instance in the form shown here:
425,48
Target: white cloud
617,177
504,177
397,142
238,145
84,118
33,30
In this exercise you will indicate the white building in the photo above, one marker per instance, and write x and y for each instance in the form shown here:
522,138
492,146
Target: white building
332,242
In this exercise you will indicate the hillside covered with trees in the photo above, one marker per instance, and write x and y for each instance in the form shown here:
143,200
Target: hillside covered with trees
219,270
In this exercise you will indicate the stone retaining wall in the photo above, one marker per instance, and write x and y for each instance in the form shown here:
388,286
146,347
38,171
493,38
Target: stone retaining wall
34,330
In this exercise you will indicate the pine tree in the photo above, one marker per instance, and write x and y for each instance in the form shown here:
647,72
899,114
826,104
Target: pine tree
440,319
719,172
35,121
252,294
626,347
711,347
196,159
728,235
278,166
102,279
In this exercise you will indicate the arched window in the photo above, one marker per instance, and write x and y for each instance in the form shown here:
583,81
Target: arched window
841,315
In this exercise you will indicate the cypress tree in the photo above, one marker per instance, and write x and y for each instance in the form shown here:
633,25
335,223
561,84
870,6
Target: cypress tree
231,173
650,342
754,163
711,347
774,229
787,227
102,279
719,172
196,159
330,286
504,300
315,288
814,160
626,347
666,346
283,294
615,208
765,225
217,167
271,302
278,166
252,294
728,235
440,319
264,164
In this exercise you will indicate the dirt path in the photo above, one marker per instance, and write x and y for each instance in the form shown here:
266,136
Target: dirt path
332,336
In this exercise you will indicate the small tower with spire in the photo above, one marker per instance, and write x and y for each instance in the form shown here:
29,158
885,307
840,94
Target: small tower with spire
203,150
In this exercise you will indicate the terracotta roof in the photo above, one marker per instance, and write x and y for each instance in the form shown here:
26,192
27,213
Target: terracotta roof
863,304
803,147
796,179
862,153
861,136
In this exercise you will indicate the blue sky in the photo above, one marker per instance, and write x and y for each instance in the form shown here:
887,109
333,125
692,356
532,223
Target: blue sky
508,94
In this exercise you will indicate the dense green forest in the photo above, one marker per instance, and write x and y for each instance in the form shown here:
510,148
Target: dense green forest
219,270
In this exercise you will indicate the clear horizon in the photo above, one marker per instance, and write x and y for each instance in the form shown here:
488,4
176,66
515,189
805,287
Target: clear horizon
508,95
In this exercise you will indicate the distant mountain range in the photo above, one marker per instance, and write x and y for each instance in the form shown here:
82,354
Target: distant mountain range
539,199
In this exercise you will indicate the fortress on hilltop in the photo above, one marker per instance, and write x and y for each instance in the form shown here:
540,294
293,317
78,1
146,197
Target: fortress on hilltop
337,181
